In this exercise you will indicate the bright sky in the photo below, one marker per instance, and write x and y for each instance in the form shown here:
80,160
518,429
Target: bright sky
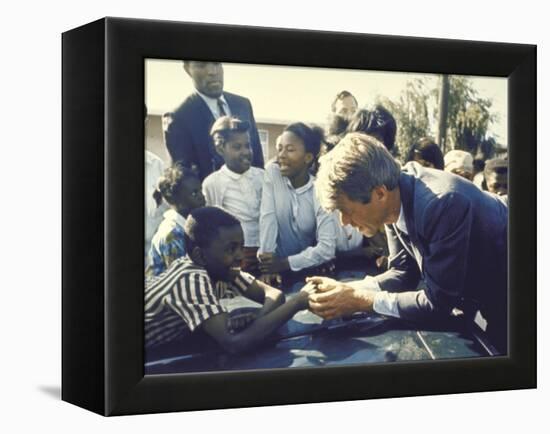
303,94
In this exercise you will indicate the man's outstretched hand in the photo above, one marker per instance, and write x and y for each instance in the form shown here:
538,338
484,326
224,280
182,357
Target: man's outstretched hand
333,299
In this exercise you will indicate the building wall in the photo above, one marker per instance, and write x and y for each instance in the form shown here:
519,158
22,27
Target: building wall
273,131
155,137
154,141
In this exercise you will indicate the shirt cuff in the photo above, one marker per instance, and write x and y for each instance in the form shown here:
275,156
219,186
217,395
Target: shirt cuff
297,263
369,283
385,303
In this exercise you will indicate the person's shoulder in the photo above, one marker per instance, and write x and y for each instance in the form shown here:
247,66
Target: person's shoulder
188,104
167,229
257,171
235,97
211,180
175,272
273,170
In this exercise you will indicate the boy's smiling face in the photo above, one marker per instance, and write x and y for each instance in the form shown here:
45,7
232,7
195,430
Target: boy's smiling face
225,253
236,152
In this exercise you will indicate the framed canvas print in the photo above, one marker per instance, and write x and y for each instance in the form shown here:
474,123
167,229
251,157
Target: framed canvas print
262,216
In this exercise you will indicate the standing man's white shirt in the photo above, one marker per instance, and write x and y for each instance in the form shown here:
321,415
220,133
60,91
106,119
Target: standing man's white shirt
212,104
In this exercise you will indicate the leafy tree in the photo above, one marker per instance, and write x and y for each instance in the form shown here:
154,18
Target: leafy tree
467,120
410,113
468,116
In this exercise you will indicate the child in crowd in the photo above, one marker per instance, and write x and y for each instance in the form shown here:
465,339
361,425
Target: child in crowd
495,176
185,298
236,186
427,153
295,232
180,187
460,163
154,168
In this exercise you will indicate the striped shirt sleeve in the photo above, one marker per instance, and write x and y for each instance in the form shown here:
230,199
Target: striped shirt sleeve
240,285
194,299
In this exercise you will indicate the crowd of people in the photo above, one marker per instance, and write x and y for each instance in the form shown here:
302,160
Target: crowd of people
222,222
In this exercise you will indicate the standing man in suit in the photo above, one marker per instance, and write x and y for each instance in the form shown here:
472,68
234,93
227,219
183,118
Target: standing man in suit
188,136
439,227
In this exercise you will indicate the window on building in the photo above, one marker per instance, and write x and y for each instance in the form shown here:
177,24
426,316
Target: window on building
264,140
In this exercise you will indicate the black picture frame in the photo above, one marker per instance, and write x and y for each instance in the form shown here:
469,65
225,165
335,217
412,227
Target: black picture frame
103,225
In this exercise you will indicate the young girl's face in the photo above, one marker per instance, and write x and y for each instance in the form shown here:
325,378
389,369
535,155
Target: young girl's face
189,195
292,156
236,152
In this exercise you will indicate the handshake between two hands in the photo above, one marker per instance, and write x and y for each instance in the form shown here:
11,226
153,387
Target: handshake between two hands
331,299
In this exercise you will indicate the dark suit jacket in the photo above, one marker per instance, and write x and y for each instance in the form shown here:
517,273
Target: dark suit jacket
188,136
459,235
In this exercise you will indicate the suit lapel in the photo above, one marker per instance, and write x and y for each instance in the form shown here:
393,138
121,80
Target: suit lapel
202,110
407,191
205,117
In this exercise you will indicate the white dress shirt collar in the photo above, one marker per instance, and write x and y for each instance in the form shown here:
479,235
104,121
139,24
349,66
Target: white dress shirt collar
234,175
212,104
401,223
303,188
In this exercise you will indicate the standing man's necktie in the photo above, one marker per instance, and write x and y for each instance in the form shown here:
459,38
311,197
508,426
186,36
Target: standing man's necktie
220,108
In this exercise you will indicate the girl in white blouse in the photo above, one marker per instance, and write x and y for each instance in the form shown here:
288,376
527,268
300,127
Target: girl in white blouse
295,232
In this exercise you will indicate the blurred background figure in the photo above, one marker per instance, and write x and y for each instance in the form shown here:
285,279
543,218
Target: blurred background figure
460,163
479,166
427,153
496,176
344,105
154,168
341,110
378,123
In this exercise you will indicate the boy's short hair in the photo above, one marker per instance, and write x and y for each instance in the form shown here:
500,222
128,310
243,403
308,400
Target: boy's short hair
225,126
203,224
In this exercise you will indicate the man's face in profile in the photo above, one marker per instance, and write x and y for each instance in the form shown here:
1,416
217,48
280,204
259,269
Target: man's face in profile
345,107
207,77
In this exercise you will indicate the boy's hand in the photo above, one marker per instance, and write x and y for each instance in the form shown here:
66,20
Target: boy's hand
382,262
307,290
373,251
271,279
335,299
238,322
322,283
271,264
265,258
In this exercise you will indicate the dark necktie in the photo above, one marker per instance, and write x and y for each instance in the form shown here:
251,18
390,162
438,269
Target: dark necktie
404,238
220,108
408,246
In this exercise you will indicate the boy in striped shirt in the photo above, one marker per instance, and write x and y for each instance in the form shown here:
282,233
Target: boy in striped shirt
185,297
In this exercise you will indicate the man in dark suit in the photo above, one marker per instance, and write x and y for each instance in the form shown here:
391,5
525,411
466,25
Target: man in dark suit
439,226
188,135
